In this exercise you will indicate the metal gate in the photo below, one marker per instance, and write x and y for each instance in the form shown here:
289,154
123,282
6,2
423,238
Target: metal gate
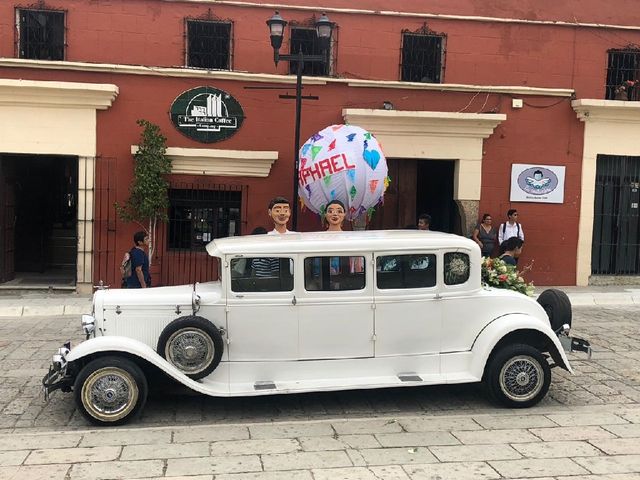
616,229
199,212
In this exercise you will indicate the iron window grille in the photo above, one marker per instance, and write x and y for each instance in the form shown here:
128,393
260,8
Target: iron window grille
40,34
616,216
422,56
208,44
198,216
306,39
623,74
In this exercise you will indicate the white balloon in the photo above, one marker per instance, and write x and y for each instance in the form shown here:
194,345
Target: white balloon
346,163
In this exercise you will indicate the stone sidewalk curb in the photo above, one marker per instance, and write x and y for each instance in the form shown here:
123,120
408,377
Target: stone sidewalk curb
49,306
44,306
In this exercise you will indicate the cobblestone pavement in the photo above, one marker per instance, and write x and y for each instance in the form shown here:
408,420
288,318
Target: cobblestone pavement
588,427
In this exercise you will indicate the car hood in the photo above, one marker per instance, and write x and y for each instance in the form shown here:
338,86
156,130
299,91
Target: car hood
209,293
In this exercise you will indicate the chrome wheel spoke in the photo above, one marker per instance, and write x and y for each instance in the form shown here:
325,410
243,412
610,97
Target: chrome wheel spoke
521,378
109,394
190,350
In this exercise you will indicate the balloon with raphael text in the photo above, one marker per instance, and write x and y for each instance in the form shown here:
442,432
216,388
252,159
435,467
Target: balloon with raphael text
346,163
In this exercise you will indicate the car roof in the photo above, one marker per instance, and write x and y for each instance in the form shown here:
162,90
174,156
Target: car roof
321,242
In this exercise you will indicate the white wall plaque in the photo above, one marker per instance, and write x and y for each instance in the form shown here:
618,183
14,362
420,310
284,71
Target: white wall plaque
537,183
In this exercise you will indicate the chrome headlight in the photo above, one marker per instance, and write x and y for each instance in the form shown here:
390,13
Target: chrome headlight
88,324
57,361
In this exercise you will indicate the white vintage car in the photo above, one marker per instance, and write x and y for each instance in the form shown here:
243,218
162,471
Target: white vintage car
315,312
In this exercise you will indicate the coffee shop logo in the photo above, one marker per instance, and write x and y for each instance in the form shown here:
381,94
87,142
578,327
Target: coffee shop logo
537,181
206,114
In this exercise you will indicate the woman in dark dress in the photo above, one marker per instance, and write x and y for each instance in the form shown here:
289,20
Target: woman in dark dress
486,236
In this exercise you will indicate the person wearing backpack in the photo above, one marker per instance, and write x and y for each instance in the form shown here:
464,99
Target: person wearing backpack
140,276
125,269
511,228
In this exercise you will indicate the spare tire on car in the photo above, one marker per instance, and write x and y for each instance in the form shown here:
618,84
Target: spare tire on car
192,344
558,307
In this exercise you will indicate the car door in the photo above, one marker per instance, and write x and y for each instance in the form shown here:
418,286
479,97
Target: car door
262,318
335,304
408,309
465,312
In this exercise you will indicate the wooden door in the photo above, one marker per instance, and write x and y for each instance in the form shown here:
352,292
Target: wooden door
7,224
399,209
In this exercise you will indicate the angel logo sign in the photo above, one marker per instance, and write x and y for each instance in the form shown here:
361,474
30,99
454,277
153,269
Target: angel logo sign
537,183
206,114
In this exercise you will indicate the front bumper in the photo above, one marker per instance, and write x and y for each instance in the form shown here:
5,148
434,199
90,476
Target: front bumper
55,380
575,344
58,375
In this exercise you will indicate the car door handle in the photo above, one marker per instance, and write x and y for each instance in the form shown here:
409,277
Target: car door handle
294,301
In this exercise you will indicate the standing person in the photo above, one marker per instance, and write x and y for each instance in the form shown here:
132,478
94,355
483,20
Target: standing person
512,250
485,235
424,221
334,216
279,211
511,228
140,276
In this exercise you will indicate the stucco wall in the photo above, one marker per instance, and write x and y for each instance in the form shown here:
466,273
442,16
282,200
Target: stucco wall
545,131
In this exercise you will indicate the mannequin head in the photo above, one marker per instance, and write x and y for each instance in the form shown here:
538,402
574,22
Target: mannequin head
279,211
334,215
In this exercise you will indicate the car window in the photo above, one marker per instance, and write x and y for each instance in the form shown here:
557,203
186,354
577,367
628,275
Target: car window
262,274
334,273
456,268
406,271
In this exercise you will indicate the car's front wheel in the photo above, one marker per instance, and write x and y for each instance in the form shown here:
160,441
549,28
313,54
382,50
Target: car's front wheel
110,390
518,376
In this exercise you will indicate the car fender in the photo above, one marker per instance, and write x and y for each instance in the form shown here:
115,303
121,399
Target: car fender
497,329
115,344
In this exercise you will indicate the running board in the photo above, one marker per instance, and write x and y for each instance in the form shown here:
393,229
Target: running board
409,377
264,386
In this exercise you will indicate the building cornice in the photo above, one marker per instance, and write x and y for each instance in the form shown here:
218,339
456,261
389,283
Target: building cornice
618,111
156,71
459,87
440,124
209,161
277,79
99,96
418,15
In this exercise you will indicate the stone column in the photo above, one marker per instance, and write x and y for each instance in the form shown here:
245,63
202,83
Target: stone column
466,191
468,215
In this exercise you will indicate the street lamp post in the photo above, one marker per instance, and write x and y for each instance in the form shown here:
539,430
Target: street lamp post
324,28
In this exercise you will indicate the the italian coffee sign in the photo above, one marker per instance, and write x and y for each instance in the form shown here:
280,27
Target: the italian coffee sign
537,183
206,114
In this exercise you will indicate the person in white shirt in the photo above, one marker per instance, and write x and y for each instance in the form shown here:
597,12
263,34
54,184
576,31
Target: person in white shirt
511,228
279,211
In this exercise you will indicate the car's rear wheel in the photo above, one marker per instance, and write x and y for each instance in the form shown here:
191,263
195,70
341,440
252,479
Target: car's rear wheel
110,390
558,307
193,345
518,376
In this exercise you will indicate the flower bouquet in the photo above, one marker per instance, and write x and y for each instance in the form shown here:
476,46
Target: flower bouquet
497,273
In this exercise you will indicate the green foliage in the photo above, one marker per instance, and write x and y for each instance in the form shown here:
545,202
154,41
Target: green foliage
148,193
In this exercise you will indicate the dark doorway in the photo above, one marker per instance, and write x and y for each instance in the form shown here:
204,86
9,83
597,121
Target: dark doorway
616,226
42,221
415,187
434,195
